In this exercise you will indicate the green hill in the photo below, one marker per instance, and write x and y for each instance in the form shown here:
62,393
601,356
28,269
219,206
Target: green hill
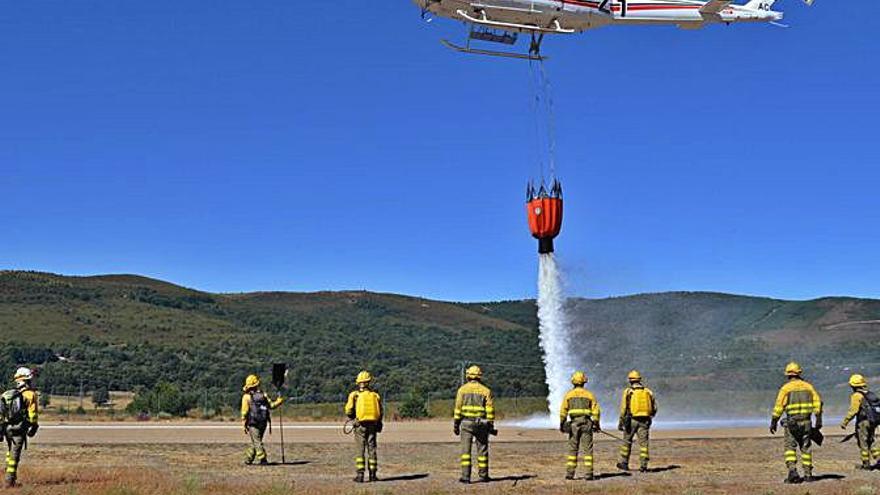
123,332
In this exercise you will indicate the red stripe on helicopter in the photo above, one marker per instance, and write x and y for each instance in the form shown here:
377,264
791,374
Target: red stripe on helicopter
661,7
644,6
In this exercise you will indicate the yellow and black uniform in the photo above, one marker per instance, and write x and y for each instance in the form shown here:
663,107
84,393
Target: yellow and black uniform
865,431
365,407
637,410
474,420
255,407
581,406
22,422
799,401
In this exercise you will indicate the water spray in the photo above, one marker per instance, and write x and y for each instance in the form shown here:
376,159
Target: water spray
554,331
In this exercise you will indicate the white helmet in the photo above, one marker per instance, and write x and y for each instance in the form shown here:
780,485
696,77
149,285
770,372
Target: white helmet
23,374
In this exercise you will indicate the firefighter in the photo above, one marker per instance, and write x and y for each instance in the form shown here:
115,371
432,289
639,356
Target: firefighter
364,406
637,410
799,401
864,427
255,416
474,421
582,407
20,420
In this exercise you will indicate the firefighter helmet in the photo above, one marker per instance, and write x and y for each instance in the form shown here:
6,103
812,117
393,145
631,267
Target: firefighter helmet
251,382
473,373
793,369
364,377
578,378
857,381
634,376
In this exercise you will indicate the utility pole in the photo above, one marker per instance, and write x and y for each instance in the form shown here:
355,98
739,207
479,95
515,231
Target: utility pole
462,365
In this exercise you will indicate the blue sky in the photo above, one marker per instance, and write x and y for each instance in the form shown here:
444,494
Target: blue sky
238,146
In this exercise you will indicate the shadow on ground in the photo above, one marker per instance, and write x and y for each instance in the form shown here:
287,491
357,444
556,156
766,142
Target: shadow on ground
404,477
288,463
671,467
515,479
823,477
605,476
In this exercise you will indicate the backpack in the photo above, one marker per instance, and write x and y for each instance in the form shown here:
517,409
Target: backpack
12,410
639,403
258,414
870,409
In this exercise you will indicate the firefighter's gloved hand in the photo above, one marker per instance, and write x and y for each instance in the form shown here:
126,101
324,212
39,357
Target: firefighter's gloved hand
818,425
596,426
842,426
562,427
774,423
456,428
33,430
620,425
379,427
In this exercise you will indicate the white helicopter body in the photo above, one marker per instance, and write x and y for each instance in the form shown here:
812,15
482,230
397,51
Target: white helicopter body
539,17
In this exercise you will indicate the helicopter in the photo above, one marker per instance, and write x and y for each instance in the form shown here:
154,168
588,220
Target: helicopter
502,21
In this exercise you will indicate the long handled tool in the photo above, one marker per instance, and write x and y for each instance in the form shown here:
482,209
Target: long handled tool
619,439
279,376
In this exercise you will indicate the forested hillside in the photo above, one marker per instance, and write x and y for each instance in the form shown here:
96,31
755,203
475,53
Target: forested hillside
123,332
126,332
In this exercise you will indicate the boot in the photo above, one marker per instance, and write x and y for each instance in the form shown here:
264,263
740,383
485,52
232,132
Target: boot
643,468
359,478
793,477
622,466
373,476
264,462
808,475
866,465
10,481
484,478
589,477
464,480
569,476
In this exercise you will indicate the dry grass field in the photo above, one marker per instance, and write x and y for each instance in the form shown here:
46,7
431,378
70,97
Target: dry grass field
415,458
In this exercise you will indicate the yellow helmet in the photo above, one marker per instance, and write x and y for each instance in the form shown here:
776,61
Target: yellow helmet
793,369
473,373
634,376
857,381
364,377
578,378
251,382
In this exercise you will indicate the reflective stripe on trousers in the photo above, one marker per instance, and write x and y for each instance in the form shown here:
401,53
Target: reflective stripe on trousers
474,434
365,446
580,440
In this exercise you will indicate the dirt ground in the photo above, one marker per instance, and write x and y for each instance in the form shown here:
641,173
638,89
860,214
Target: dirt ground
414,458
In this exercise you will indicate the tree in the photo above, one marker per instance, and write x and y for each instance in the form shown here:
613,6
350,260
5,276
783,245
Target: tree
163,398
100,397
413,406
